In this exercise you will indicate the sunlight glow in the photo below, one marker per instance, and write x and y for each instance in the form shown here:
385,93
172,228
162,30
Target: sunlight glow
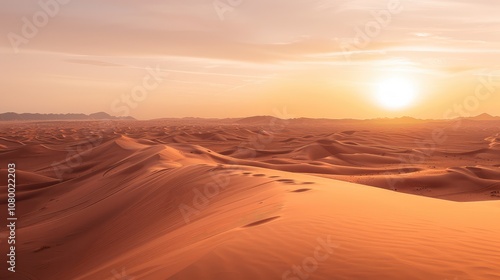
395,93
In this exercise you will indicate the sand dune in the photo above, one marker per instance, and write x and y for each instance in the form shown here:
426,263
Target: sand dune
161,200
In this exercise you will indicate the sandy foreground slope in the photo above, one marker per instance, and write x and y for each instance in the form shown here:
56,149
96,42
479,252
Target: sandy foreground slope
142,203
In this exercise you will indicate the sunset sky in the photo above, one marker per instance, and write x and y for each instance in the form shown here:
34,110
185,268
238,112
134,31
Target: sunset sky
230,58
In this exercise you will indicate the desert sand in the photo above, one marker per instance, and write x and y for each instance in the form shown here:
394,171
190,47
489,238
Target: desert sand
256,198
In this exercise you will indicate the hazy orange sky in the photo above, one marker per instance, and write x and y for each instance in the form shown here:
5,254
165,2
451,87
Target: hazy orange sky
232,58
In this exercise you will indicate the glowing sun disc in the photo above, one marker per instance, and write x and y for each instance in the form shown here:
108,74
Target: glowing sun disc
395,93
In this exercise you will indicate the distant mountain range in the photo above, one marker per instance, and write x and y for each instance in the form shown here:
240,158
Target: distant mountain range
484,117
398,120
10,116
248,120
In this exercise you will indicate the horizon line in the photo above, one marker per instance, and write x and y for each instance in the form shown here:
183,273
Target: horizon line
487,115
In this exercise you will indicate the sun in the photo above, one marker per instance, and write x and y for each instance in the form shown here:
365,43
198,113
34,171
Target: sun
395,93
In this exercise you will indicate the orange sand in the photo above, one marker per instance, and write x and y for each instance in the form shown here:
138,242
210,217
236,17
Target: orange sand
251,199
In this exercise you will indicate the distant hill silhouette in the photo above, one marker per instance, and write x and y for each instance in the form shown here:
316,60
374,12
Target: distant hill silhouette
254,120
10,116
257,120
484,117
